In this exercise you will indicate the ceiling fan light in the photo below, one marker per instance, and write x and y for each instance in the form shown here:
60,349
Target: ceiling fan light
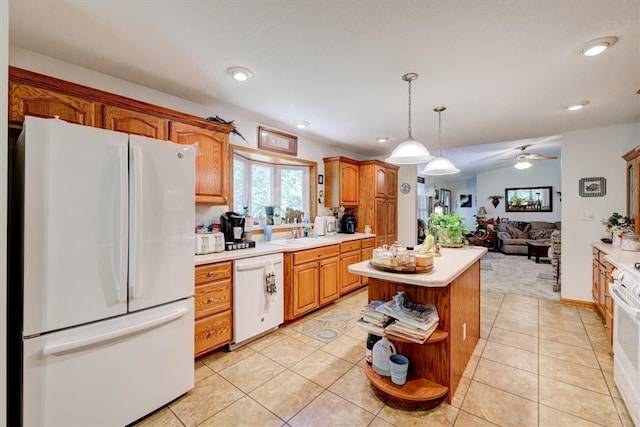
440,166
409,152
522,164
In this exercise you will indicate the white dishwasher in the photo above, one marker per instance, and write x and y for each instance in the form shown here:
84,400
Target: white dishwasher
258,297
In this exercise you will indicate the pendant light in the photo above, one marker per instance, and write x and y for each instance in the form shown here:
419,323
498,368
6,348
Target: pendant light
409,152
440,165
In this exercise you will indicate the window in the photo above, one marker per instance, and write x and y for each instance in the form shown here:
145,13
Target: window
257,184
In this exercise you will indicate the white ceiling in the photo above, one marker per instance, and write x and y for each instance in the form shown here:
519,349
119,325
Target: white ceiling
504,69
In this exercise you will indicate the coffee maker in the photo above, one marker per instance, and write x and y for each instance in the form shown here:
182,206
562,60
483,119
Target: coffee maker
348,224
232,225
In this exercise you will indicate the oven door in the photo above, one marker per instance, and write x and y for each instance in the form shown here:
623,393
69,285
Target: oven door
626,350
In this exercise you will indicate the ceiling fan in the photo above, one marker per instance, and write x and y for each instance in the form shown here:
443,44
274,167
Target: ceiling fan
523,158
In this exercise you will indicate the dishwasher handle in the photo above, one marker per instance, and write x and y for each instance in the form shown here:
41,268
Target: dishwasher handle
246,266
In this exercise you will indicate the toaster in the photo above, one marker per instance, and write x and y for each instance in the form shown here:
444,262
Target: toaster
208,243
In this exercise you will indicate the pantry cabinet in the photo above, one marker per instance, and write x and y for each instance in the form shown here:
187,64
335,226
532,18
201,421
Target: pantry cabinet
213,316
341,182
133,122
213,174
310,279
633,186
378,200
27,100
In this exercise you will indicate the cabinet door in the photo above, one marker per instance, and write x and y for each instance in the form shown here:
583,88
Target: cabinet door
305,288
381,181
25,100
595,285
212,161
348,281
392,221
380,217
349,184
128,121
392,183
329,280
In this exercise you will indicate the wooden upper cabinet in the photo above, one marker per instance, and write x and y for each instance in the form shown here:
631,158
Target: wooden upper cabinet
633,186
26,100
392,181
342,177
128,121
213,177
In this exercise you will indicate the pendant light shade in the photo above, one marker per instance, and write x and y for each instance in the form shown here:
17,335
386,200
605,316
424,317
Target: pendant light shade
409,152
440,165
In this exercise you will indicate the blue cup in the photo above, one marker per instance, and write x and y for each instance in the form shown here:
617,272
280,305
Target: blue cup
267,233
399,367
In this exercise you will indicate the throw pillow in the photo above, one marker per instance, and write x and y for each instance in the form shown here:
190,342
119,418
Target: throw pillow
516,233
540,233
521,225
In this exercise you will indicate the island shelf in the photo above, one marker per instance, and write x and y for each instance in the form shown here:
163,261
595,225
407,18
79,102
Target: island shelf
435,367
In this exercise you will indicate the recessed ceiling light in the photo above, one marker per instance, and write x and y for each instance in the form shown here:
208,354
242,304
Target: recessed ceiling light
240,73
597,46
577,106
382,138
301,125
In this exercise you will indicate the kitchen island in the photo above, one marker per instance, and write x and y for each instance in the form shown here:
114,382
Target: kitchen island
453,286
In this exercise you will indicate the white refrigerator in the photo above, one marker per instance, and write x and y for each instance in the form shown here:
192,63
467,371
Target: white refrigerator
107,241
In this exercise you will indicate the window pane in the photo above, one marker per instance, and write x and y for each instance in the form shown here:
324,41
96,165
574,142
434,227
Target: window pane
239,185
291,189
261,188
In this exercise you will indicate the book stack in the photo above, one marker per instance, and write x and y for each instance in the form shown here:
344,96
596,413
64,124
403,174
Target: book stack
373,320
413,322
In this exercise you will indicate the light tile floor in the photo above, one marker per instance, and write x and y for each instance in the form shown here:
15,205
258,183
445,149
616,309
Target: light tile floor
538,363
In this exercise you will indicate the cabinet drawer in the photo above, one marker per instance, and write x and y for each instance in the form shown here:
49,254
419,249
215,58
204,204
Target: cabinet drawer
368,243
315,254
210,272
367,254
350,246
212,332
213,297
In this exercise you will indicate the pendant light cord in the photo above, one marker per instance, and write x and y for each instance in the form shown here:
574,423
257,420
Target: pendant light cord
439,110
410,137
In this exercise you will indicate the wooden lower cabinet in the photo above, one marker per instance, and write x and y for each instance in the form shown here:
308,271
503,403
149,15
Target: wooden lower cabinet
366,253
310,280
213,316
349,254
603,275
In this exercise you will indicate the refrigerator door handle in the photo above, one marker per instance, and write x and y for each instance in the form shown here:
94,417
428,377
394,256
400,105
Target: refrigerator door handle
121,247
135,243
85,342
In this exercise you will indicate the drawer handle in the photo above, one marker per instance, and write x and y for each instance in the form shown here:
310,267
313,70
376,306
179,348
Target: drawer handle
209,274
209,334
210,300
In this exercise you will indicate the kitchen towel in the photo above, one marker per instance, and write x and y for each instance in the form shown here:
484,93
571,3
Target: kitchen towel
270,283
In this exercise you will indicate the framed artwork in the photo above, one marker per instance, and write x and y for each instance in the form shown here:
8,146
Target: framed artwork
592,187
529,199
466,201
275,140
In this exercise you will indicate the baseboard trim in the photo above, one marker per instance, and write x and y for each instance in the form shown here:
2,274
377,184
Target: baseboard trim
587,304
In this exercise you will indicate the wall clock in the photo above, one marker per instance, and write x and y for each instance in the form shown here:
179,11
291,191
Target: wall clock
405,187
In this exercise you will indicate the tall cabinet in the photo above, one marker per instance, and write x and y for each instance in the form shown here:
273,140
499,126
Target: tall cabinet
341,182
633,187
379,200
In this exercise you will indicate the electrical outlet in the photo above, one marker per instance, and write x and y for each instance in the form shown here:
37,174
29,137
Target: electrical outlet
586,215
464,332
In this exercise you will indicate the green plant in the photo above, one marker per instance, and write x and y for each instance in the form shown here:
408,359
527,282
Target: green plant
617,223
517,201
449,229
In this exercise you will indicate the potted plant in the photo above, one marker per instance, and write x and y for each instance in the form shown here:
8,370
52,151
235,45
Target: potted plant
495,200
449,230
277,219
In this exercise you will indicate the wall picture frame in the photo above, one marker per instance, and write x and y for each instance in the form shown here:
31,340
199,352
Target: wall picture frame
592,187
278,141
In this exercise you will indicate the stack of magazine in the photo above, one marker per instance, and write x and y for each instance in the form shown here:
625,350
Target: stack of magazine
373,320
413,322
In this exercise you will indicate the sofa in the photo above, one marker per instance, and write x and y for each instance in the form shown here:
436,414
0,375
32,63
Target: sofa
513,236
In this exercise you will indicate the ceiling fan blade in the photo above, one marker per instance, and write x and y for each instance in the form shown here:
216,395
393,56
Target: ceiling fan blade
540,157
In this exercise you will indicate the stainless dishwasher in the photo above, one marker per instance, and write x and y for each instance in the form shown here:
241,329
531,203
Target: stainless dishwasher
258,297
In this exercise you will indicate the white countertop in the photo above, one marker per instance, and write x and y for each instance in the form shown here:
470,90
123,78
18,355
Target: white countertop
615,255
452,263
270,248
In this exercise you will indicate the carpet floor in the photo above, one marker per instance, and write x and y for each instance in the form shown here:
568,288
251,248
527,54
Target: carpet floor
516,274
